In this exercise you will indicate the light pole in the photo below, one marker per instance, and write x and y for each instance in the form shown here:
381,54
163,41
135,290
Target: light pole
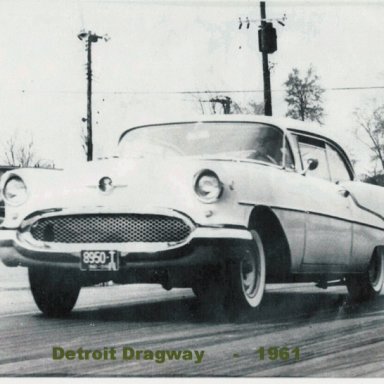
89,38
266,73
267,45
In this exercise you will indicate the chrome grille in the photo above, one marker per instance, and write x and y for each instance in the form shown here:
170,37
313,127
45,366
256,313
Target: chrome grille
110,228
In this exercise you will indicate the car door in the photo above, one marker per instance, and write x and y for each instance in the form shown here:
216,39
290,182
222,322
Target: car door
328,226
367,210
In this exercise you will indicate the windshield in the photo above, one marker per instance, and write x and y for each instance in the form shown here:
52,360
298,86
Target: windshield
234,140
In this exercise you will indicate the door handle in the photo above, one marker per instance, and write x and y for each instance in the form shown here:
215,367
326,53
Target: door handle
343,192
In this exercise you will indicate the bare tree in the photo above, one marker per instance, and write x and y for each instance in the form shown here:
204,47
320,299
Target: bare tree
372,123
21,154
375,179
304,96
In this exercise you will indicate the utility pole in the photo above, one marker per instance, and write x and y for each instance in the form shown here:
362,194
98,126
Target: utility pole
89,38
266,74
267,45
225,102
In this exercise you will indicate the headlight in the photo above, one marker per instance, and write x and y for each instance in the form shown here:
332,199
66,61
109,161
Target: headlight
15,191
208,186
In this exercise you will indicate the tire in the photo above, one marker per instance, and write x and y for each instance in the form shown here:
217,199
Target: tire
54,290
367,286
246,279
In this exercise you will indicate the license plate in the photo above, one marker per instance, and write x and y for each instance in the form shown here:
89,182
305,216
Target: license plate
99,260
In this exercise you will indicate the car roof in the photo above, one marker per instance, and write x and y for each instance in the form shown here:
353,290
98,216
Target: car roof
285,123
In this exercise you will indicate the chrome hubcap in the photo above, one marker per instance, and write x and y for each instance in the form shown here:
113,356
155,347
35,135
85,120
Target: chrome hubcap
249,276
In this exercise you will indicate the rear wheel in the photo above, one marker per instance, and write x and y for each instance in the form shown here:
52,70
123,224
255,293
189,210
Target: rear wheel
54,290
367,286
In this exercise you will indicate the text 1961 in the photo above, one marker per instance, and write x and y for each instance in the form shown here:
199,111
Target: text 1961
278,353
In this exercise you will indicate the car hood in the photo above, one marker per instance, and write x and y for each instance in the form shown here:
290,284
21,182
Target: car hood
137,178
140,184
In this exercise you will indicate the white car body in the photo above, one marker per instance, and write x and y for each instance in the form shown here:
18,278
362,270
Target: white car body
320,230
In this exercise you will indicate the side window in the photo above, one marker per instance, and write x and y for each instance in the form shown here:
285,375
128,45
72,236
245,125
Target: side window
287,153
338,168
311,148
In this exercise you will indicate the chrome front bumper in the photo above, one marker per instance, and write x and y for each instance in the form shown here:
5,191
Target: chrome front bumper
17,247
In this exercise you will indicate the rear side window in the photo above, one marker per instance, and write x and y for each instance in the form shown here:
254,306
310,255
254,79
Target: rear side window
311,148
337,166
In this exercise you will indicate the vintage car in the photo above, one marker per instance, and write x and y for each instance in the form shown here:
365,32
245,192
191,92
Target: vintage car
221,204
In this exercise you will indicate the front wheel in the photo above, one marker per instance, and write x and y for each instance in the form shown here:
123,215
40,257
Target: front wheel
367,286
246,279
54,290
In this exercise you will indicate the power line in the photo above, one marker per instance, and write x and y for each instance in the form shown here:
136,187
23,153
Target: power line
186,92
353,88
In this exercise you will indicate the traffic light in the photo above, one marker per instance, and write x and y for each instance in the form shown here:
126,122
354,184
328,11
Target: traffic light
267,38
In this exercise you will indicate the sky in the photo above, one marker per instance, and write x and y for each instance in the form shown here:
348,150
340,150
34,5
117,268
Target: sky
159,48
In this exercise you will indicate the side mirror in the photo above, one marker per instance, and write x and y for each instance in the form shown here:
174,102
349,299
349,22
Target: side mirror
312,164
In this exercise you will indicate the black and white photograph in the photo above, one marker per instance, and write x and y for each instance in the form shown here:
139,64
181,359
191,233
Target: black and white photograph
191,188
